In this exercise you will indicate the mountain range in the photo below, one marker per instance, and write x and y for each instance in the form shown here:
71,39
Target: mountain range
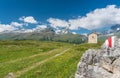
50,34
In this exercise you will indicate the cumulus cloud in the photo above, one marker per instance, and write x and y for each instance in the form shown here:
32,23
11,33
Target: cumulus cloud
98,18
36,29
41,27
58,31
54,22
13,26
27,30
74,33
16,24
28,19
74,23
6,27
20,27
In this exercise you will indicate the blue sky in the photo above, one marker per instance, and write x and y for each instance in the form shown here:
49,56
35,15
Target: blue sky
43,9
56,10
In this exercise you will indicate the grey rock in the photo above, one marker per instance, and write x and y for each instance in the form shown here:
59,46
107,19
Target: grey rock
10,75
100,63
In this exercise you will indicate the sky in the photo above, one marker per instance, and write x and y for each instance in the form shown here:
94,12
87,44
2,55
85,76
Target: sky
30,15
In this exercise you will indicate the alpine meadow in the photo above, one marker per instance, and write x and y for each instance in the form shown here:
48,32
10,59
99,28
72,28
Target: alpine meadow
59,39
40,59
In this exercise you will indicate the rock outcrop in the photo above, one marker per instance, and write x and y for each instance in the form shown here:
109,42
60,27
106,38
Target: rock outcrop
102,63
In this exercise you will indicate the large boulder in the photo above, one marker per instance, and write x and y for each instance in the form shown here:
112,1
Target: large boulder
102,63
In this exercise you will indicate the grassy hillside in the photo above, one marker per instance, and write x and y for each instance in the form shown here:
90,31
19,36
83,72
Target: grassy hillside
45,36
36,59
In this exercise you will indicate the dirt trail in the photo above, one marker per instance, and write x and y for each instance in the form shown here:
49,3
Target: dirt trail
29,57
19,73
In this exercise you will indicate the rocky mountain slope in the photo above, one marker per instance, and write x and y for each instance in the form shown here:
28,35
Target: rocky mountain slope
102,63
115,27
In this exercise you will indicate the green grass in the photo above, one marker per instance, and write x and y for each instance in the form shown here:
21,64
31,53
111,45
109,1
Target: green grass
19,55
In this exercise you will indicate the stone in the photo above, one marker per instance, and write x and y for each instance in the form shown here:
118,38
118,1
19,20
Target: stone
10,75
100,63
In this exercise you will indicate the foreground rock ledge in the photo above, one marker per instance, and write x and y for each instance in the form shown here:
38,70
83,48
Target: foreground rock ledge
100,63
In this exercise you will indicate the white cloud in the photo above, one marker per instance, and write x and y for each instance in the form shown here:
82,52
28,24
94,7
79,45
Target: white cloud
74,33
74,23
58,31
85,34
13,28
16,24
38,28
28,19
6,27
57,22
28,30
41,27
98,18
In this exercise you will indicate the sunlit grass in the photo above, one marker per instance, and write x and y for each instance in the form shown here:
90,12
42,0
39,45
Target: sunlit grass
63,66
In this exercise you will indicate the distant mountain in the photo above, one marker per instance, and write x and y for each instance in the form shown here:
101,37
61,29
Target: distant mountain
110,30
81,31
115,27
45,35
114,30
